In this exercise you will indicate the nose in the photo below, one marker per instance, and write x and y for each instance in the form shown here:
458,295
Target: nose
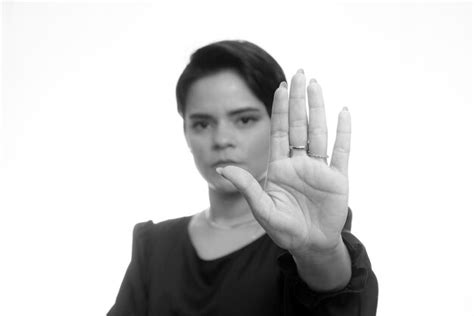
223,137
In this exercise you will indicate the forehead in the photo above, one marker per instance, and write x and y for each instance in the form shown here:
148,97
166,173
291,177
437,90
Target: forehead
221,93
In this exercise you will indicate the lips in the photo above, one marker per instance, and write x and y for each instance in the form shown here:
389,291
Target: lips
223,163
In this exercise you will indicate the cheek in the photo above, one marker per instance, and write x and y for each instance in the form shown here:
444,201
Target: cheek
197,148
260,146
199,153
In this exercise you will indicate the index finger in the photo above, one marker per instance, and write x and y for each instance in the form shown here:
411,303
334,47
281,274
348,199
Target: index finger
342,144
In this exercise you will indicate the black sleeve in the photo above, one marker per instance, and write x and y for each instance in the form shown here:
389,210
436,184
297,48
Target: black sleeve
132,298
359,297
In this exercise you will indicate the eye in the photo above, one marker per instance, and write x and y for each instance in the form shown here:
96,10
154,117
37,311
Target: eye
246,120
200,125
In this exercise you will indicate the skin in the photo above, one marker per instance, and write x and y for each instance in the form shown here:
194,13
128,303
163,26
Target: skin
225,124
300,201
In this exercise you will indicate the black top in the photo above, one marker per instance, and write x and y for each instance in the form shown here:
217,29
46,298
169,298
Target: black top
166,277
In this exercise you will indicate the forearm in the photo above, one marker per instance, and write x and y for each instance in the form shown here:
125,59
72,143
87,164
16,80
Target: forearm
325,271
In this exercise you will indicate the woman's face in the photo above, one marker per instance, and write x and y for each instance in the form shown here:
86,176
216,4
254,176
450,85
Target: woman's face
225,124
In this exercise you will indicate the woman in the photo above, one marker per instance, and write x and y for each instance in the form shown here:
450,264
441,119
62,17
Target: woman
275,239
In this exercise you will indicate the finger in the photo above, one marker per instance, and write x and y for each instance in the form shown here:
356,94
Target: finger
298,124
318,130
257,198
342,144
279,130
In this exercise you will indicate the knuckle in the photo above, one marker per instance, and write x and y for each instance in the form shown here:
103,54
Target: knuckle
319,130
341,150
299,123
278,133
298,98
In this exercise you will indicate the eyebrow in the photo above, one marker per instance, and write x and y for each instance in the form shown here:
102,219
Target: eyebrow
231,113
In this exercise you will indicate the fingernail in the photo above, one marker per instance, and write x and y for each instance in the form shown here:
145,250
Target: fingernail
283,84
313,81
345,109
219,170
301,71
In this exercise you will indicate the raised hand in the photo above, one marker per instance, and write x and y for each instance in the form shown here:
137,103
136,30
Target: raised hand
303,205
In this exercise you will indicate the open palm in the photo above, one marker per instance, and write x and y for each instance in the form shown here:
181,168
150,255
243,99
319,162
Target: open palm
303,205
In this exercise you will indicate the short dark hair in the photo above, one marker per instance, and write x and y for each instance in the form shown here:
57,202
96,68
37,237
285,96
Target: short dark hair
258,69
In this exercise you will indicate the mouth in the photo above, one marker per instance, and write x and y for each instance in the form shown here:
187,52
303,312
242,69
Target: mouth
223,163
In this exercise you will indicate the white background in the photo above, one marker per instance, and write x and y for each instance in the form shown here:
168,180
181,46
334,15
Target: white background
91,142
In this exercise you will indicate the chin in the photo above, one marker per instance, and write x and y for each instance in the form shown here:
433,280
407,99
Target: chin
222,185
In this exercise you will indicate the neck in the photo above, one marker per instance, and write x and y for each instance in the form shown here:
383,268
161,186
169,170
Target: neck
228,208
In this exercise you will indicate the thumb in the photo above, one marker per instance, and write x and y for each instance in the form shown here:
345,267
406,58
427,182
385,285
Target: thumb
246,183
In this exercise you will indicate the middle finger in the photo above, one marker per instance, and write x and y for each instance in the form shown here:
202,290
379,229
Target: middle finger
318,130
298,122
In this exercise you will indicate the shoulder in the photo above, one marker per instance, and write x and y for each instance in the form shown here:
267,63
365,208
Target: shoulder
146,232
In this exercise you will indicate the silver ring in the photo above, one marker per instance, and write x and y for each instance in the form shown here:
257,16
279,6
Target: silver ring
312,155
298,147
290,153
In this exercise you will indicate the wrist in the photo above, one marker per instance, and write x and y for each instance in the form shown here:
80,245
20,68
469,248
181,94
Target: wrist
315,255
326,270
